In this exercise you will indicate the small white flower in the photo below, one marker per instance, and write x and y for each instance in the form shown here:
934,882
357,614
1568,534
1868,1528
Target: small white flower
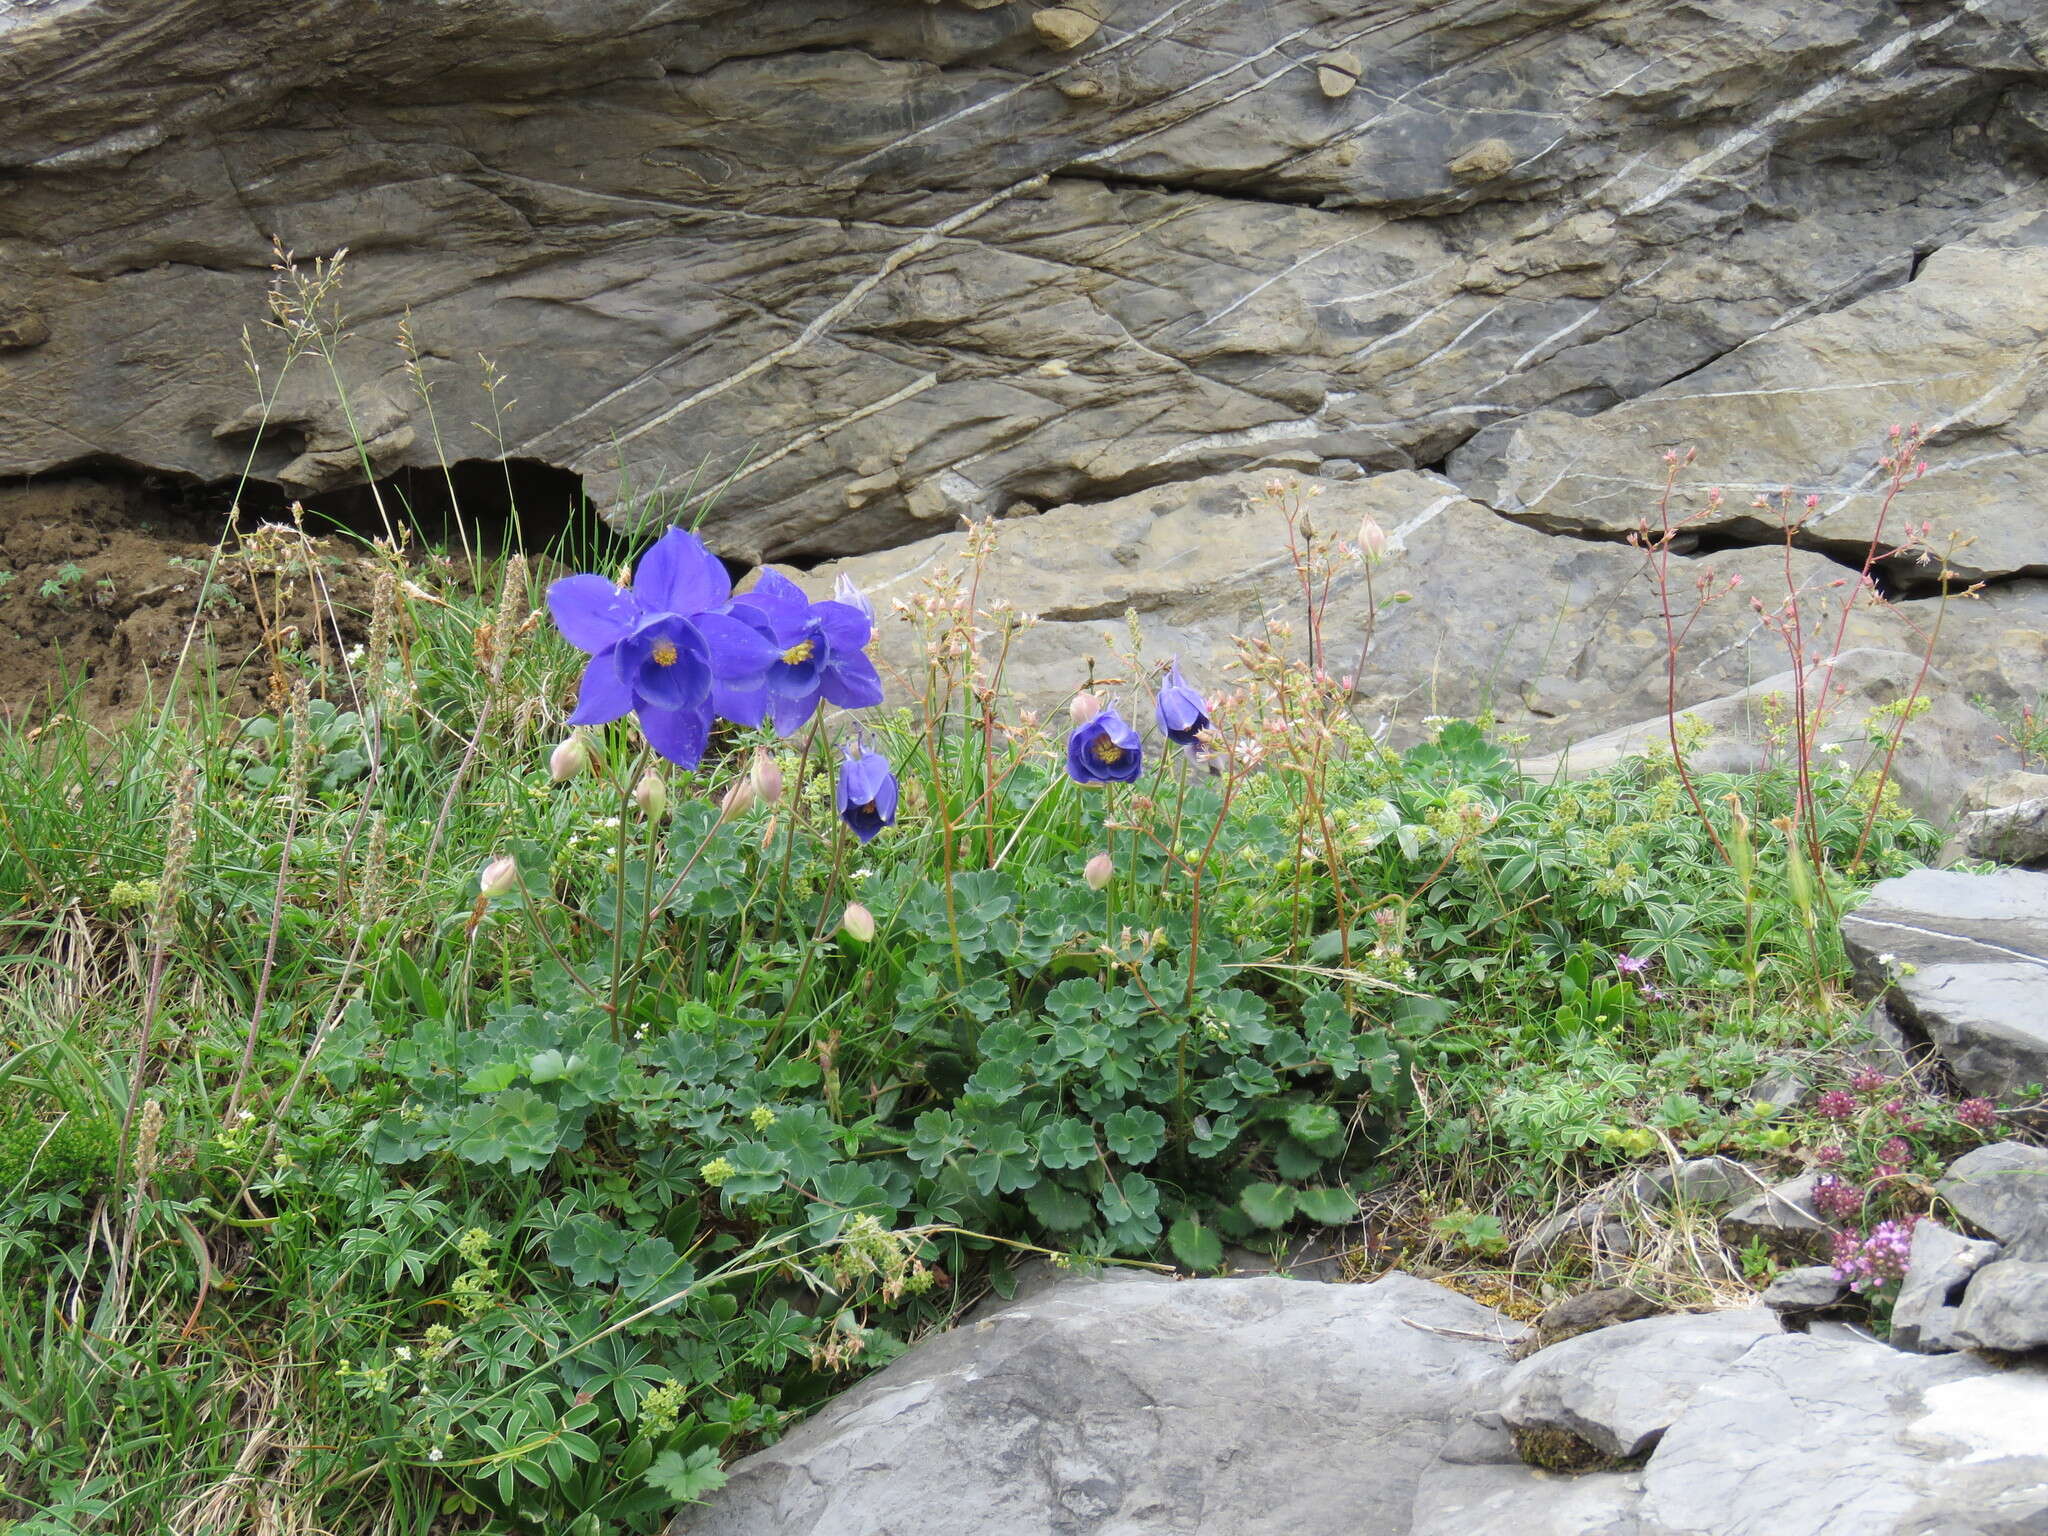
434,1454
403,1352
1887,959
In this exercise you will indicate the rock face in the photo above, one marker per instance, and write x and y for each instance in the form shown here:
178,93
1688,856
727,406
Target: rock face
2002,1189
1555,636
1269,1405
1619,1389
873,266
1248,1405
1937,755
1962,958
1962,350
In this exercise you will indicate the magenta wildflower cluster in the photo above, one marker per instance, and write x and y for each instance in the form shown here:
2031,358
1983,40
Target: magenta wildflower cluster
1864,1262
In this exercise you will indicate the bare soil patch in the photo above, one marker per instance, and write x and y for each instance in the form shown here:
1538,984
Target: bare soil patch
110,588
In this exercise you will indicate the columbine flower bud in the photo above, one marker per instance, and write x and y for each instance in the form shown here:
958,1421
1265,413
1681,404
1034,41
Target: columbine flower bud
739,799
1098,871
1372,539
857,922
568,759
846,590
1086,707
499,876
765,775
651,794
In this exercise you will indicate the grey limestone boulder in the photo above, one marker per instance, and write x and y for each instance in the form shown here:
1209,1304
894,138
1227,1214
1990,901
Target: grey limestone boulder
1782,1218
2002,1190
1619,1389
1814,1437
1252,1406
2008,834
1963,959
2006,1308
1925,1313
1810,1288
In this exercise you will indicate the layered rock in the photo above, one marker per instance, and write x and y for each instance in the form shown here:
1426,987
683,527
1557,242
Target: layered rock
1557,638
1962,351
871,267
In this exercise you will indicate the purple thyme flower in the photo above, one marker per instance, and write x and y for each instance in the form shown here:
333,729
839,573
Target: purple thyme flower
1835,1198
1828,1157
1864,1263
817,650
1978,1114
1181,713
866,793
1105,750
1869,1080
656,651
1835,1105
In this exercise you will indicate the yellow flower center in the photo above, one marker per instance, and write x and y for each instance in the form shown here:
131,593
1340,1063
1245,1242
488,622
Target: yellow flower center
800,652
664,653
1106,752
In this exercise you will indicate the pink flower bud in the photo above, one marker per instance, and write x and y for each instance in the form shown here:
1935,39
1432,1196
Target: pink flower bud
739,799
1372,539
765,774
499,876
1404,596
570,757
1086,707
857,922
1098,871
651,794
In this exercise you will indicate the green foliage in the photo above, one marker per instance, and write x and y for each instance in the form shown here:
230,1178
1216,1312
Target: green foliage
530,1210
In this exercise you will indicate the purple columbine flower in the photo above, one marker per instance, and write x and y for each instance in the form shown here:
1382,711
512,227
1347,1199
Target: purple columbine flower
656,651
1105,750
1181,714
866,793
819,651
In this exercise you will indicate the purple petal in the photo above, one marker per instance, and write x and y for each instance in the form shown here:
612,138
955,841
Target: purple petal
603,696
679,575
775,594
677,734
851,681
684,682
848,629
740,654
742,706
791,710
592,614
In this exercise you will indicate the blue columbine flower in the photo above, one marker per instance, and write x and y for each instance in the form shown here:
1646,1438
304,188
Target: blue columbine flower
819,651
655,648
1181,715
1105,750
866,792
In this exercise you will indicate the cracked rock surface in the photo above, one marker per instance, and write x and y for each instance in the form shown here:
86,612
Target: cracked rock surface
888,263
1962,959
1171,1409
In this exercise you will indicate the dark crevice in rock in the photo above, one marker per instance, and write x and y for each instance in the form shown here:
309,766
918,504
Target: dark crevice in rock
1238,192
486,506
